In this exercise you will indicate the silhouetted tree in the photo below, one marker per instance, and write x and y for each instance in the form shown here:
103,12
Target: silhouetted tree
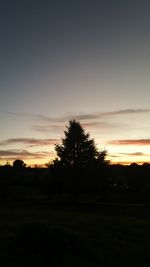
19,164
19,171
78,162
77,149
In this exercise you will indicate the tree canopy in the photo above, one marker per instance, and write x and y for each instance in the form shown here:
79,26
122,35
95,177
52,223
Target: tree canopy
77,148
19,164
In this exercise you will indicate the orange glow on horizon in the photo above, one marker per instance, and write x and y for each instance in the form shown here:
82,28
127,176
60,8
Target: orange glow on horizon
113,160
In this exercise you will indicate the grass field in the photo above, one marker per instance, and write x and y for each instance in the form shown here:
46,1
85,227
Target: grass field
96,235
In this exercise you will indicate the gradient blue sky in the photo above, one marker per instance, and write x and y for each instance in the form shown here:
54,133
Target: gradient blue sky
88,60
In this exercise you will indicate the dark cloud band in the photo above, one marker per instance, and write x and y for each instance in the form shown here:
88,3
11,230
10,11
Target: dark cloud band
136,142
29,141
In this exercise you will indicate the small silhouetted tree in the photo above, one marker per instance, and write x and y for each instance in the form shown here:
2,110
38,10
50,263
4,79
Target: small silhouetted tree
19,164
19,171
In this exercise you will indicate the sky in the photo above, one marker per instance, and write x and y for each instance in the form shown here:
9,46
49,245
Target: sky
87,60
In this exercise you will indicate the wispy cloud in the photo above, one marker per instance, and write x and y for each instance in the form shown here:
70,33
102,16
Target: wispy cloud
80,116
102,124
100,115
16,153
133,154
136,142
91,120
125,111
30,142
59,128
47,128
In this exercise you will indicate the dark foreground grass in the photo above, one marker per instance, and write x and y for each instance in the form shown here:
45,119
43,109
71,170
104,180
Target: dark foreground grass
35,234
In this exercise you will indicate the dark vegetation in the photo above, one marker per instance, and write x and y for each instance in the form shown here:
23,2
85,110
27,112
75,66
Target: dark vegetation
79,211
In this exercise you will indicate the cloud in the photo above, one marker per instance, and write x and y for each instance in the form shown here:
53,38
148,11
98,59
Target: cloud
30,142
68,116
95,124
60,128
96,120
125,111
48,128
100,115
136,154
133,154
79,116
136,142
22,153
120,155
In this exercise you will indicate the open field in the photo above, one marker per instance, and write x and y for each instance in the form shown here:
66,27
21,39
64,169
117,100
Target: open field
98,235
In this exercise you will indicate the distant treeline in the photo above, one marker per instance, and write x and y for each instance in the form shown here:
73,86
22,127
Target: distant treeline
113,183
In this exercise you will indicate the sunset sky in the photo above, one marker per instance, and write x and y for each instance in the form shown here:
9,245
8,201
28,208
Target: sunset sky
82,59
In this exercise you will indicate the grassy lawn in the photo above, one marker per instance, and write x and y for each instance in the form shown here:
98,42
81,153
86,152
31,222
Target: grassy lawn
93,237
